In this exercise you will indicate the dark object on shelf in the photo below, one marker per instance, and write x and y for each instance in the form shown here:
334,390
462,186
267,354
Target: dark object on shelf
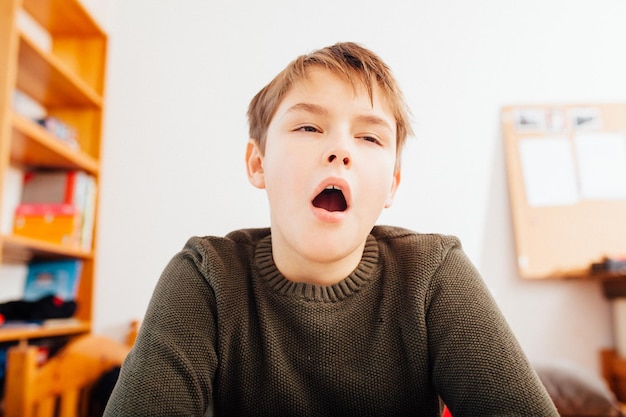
610,266
49,307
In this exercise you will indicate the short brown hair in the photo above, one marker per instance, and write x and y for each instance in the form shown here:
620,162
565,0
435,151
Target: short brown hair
345,60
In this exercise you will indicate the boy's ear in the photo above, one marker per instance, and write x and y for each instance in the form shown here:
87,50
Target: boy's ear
394,188
254,164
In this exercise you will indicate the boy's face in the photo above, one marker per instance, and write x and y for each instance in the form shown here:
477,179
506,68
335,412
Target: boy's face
328,169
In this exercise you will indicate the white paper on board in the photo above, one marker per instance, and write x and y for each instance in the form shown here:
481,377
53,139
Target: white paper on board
601,158
549,171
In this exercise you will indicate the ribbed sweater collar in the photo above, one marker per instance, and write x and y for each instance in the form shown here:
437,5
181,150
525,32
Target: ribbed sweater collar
312,292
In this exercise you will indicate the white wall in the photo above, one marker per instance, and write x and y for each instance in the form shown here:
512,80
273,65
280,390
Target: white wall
181,74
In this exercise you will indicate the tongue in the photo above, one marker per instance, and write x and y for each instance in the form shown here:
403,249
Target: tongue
330,200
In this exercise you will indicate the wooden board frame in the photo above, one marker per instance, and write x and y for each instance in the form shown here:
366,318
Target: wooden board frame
561,241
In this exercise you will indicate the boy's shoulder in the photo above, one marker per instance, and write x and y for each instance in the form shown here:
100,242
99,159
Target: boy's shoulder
248,236
399,235
211,253
417,252
237,237
235,241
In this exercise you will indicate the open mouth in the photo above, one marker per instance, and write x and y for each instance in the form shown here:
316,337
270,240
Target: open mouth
331,199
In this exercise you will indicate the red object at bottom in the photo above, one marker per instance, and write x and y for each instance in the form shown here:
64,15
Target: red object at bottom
446,412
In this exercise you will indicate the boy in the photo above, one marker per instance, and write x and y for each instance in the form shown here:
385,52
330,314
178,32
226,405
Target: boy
324,313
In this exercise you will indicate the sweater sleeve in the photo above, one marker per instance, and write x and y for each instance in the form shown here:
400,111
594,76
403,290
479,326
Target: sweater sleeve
170,369
477,365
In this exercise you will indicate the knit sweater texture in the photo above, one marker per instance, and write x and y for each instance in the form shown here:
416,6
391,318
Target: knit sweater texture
412,325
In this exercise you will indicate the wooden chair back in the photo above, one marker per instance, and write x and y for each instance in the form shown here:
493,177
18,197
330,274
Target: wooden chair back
60,387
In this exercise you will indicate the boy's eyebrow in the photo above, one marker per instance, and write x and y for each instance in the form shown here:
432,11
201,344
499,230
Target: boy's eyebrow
309,108
375,120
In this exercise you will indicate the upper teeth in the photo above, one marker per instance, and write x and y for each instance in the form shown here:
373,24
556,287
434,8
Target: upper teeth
333,187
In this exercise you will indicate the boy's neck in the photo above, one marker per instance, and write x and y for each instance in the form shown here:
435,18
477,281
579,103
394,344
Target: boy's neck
297,268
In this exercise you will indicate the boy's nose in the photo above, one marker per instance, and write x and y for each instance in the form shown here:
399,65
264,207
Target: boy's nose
338,150
333,157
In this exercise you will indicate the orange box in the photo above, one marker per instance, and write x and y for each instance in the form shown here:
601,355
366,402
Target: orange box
54,223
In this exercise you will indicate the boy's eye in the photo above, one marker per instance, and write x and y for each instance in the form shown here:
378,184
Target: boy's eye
311,129
371,139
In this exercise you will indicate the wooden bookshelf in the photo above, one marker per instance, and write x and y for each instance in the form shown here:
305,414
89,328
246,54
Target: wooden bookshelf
65,77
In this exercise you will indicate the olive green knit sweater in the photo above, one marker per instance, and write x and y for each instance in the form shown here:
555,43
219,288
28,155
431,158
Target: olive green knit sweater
413,323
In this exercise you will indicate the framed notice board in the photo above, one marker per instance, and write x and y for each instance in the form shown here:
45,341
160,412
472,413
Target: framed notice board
566,167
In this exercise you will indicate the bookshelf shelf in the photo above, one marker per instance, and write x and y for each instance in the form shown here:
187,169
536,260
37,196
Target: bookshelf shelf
43,330
22,249
35,146
63,18
46,79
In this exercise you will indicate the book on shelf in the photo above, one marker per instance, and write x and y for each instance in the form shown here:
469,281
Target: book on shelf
60,130
54,223
55,186
11,195
59,278
26,106
29,108
44,209
89,214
